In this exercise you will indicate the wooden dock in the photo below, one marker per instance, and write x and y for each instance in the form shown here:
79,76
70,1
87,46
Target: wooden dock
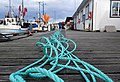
99,49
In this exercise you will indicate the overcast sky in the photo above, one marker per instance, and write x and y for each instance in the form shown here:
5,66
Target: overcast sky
57,9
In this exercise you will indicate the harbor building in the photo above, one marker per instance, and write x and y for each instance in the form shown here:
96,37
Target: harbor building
96,15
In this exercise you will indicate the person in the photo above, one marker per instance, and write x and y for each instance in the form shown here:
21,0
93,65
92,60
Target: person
30,30
60,25
49,28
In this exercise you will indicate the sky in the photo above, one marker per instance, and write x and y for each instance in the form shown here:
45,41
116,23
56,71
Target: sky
57,9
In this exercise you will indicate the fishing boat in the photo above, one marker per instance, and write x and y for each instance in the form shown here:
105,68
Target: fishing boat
11,24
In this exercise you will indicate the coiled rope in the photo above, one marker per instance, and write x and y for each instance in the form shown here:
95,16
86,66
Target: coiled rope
55,49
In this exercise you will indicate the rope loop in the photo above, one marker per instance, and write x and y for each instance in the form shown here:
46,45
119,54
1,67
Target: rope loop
58,48
14,77
41,72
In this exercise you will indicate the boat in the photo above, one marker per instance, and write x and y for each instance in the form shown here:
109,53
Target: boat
11,24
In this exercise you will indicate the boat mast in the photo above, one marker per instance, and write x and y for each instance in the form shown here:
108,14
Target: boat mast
22,9
21,14
39,14
10,12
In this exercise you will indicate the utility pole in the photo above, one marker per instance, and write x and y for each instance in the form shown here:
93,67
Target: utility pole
43,8
43,5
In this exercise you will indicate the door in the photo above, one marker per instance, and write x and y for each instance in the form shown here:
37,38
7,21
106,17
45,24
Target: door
83,21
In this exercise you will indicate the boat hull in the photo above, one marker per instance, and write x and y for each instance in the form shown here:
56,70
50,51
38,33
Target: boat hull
12,29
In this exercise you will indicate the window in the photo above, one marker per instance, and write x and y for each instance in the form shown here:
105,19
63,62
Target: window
87,12
115,8
12,20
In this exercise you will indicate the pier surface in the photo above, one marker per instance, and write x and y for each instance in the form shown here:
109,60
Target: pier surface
99,49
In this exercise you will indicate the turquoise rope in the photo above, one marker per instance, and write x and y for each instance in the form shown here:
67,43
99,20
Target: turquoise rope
45,72
58,45
36,72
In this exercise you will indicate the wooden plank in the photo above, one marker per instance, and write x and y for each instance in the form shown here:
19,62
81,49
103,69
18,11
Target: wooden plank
105,68
99,49
26,61
66,78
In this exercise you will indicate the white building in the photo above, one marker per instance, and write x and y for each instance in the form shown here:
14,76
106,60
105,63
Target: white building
97,14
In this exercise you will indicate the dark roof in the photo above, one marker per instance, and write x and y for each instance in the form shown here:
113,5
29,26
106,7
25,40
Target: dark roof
68,19
81,6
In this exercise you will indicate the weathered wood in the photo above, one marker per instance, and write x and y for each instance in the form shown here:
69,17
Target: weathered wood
99,49
66,78
25,61
104,68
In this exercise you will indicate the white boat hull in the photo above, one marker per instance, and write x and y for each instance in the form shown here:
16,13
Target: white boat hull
11,29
